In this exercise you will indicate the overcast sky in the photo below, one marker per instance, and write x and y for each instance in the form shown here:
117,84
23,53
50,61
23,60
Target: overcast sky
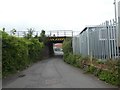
54,14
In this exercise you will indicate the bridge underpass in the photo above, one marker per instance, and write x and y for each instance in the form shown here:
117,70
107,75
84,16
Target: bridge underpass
54,40
58,36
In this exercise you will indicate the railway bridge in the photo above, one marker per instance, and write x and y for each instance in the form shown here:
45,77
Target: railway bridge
53,36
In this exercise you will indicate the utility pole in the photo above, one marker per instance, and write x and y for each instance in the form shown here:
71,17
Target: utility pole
117,49
115,11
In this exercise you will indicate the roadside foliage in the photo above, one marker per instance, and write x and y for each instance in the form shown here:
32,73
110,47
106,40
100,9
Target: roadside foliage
108,71
18,53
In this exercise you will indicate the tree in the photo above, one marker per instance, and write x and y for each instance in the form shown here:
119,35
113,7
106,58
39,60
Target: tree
13,31
3,29
29,34
36,36
42,34
43,37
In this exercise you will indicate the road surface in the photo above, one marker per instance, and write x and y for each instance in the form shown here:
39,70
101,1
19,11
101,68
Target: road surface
53,73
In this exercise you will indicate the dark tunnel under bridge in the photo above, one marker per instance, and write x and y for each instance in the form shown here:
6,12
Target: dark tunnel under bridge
53,40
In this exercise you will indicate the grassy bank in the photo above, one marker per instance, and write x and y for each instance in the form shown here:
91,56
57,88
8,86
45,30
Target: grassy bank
108,71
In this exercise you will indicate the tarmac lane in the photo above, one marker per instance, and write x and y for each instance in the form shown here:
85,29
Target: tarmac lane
53,73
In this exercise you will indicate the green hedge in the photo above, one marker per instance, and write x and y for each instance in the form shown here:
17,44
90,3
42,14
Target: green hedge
18,53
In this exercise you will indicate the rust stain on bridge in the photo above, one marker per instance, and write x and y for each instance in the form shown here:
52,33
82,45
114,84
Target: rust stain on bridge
56,38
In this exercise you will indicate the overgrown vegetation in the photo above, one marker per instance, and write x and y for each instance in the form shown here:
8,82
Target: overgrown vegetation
108,71
43,37
19,53
67,49
29,34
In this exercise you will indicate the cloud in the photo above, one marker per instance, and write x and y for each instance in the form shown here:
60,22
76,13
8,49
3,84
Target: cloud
55,14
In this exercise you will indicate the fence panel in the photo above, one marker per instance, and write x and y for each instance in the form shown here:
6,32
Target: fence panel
97,41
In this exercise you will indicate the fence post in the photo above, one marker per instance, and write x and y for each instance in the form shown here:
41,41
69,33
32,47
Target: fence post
115,37
72,33
88,40
108,39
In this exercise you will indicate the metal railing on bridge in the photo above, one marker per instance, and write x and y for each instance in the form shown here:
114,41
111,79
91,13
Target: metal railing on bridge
51,33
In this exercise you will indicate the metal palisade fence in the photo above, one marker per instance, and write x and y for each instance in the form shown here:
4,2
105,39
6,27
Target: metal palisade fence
98,41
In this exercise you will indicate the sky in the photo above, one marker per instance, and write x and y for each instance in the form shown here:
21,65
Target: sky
54,14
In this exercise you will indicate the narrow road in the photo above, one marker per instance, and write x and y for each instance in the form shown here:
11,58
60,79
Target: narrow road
53,73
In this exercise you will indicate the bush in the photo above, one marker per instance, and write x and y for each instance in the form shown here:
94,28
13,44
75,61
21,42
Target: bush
71,59
97,72
109,77
92,69
78,60
67,47
35,50
18,53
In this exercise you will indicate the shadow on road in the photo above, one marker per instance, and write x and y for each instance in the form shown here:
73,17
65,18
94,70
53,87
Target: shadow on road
58,56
